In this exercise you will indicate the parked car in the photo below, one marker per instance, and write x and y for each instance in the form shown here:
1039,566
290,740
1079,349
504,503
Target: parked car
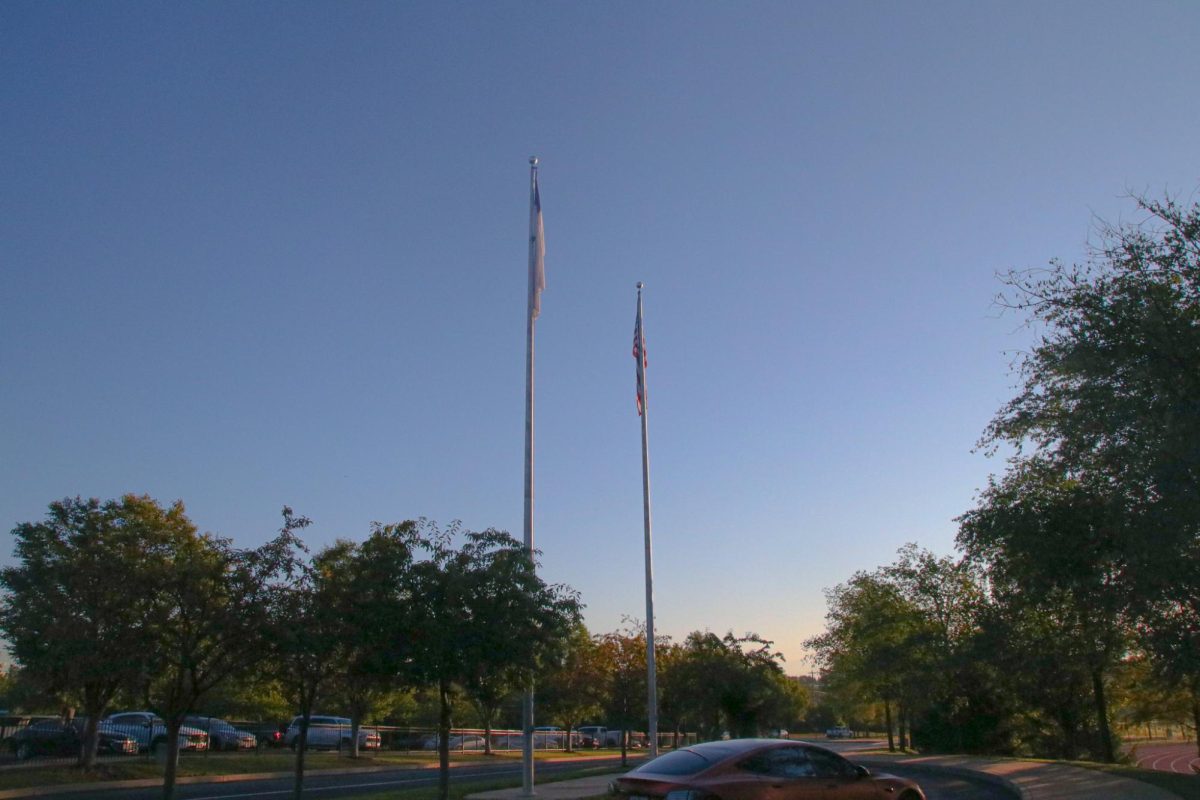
222,735
467,741
592,735
267,733
150,732
759,769
602,736
840,732
330,732
59,737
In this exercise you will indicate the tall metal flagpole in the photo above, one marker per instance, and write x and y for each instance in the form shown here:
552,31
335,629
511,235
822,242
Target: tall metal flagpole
651,670
536,282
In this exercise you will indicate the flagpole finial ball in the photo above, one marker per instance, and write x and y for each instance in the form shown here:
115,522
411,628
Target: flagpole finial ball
533,161
640,285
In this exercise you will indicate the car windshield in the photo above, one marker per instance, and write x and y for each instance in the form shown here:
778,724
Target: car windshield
678,762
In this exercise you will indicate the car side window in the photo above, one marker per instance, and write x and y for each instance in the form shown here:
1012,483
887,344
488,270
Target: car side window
828,765
781,762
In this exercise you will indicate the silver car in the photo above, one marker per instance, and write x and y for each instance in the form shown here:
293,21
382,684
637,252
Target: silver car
150,732
222,735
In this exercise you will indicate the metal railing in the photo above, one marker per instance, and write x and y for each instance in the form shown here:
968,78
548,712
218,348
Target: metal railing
19,748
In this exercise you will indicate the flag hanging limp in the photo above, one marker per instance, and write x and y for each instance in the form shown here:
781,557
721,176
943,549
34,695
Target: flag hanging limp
537,251
639,348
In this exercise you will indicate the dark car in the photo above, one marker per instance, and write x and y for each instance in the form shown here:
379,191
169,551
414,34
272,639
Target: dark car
222,735
759,769
57,737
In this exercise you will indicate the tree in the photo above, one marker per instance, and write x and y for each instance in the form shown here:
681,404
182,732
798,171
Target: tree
305,632
211,608
78,605
571,687
481,613
626,692
1110,396
373,597
874,642
1055,546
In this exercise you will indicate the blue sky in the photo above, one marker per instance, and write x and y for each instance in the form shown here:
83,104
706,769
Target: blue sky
258,254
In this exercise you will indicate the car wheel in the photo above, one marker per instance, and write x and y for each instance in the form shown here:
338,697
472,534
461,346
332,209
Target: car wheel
24,751
157,745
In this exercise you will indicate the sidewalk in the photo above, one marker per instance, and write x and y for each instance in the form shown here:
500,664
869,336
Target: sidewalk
591,786
1029,780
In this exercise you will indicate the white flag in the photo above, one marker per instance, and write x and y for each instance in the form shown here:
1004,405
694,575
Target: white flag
537,251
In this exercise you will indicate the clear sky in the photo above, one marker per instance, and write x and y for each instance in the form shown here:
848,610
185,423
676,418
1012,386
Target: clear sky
257,254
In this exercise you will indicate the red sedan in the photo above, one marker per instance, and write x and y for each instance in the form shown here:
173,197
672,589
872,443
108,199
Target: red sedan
759,769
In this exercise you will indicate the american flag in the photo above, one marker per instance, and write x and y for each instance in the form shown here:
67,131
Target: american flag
537,251
639,346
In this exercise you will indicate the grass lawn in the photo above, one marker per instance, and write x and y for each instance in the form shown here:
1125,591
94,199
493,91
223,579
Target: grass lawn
459,790
240,763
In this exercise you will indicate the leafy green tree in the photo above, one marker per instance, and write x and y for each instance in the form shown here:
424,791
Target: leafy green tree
254,696
306,634
211,614
874,644
79,603
626,692
945,700
373,597
571,687
1110,396
481,610
1054,546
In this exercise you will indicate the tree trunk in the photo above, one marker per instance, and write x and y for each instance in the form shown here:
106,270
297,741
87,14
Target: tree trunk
1106,740
487,735
172,746
444,741
624,751
887,715
1066,721
301,744
91,741
1196,717
355,727
94,705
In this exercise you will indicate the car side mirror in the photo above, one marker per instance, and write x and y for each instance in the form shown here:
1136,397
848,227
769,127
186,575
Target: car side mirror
862,772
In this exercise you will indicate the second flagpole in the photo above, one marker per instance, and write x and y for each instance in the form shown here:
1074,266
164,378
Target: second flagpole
651,669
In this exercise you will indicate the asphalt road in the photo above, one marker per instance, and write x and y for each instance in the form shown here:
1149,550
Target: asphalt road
946,787
332,787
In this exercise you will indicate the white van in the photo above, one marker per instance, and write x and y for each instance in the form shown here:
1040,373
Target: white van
330,732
